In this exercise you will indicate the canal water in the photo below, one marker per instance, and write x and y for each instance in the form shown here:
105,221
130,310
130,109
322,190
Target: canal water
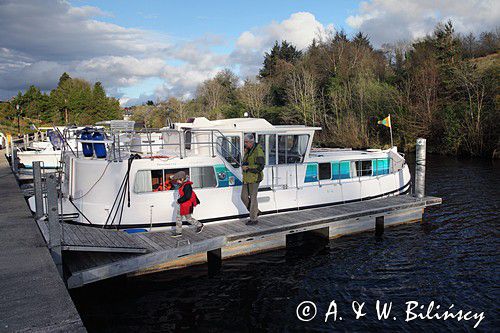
452,258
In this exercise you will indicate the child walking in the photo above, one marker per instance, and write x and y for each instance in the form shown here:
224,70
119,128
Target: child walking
187,201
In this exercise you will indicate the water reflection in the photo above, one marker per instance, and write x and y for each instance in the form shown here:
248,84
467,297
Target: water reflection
450,258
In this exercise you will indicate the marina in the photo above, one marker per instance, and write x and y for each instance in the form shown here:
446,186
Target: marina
86,254
253,166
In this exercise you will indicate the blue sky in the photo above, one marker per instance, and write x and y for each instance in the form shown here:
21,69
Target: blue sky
144,50
182,21
190,19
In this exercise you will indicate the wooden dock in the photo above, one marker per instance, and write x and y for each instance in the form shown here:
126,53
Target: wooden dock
92,254
33,296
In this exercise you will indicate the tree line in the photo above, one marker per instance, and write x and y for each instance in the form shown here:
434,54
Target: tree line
443,87
73,101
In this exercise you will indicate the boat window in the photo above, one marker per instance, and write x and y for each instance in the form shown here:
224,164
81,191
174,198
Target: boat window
143,181
364,168
168,184
341,170
292,148
380,166
272,149
157,180
229,148
325,171
188,137
311,173
203,177
261,140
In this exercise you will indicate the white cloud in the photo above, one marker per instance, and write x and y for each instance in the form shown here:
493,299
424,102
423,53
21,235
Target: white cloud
299,29
40,40
392,20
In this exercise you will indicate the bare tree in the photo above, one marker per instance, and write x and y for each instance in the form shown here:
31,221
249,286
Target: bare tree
213,95
471,80
253,95
301,92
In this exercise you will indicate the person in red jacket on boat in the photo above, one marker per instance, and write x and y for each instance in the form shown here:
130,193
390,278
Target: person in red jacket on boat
187,201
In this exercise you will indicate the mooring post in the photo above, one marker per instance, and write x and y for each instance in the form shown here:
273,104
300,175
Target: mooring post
54,225
37,182
420,168
214,259
379,225
13,157
7,144
25,141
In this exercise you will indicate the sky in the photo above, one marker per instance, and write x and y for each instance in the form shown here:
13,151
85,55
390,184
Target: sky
152,50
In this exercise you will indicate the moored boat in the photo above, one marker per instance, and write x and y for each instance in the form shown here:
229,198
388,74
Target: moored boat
128,185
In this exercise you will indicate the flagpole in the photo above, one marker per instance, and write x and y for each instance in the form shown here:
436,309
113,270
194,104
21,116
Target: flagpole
390,128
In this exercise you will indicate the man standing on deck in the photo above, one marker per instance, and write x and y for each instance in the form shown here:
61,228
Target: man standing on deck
252,166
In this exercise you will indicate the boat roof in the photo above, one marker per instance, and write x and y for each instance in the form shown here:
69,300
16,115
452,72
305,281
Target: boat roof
243,124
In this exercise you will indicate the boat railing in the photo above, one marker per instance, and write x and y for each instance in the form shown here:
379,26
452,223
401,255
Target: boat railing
120,143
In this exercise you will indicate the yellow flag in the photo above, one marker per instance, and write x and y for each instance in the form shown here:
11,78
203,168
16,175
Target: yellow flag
386,121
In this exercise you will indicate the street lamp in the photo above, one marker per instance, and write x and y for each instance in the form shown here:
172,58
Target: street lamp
66,111
18,118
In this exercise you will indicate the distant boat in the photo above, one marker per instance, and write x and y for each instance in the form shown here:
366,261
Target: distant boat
50,150
128,186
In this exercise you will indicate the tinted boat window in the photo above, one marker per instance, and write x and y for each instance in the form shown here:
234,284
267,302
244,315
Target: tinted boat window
325,171
381,166
341,170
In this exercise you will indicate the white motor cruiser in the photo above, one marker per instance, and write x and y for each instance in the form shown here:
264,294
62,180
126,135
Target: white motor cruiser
50,150
129,185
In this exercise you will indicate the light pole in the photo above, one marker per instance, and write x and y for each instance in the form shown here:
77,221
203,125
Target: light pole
66,111
18,120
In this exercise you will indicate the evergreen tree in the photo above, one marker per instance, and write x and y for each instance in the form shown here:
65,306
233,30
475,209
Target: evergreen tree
362,40
64,77
285,52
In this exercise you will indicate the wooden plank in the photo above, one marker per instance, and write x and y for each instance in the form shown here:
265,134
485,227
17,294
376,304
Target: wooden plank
104,249
80,235
69,236
152,244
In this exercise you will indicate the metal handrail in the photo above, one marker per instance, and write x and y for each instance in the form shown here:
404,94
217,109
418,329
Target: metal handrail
114,141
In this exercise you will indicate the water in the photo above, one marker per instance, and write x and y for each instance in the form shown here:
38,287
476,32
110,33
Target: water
451,258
